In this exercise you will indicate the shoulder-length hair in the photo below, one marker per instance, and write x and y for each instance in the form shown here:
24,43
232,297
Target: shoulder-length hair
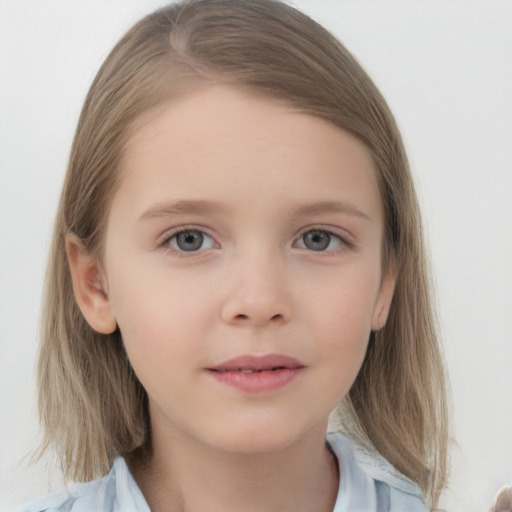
91,405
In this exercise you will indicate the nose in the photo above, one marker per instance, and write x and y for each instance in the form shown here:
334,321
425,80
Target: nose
258,292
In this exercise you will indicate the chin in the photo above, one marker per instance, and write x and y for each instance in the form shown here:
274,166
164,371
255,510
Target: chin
255,439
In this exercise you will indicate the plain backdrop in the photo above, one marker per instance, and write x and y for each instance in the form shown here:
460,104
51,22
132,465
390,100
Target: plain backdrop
445,67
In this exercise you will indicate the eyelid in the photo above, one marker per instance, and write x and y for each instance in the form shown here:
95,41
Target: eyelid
163,240
347,240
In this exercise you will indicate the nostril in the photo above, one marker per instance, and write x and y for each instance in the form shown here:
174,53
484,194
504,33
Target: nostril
243,310
244,317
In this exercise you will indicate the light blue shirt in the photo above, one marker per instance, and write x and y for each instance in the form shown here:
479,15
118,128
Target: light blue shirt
367,484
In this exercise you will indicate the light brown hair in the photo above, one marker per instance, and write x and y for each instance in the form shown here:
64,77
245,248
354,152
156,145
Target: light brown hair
92,406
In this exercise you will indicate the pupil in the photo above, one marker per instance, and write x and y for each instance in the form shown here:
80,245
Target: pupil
190,241
317,240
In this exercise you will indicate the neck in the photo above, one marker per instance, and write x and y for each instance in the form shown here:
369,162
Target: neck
184,475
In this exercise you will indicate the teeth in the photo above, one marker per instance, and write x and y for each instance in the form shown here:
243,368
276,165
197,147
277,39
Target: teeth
247,371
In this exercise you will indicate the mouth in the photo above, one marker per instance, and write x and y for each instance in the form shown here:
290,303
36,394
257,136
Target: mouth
250,370
257,374
256,364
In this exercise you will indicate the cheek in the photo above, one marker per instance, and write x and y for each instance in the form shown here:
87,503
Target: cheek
158,321
343,312
166,319
345,303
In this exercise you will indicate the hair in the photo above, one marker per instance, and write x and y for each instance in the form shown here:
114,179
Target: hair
92,406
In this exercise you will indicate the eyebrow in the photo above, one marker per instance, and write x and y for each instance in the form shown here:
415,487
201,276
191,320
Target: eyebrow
166,209
329,207
205,207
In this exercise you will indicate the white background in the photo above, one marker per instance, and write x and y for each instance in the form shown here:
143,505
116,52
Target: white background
445,67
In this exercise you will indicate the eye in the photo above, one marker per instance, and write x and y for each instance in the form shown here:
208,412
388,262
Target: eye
190,240
319,240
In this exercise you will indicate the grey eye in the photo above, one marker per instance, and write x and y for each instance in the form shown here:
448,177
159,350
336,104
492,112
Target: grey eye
188,241
317,240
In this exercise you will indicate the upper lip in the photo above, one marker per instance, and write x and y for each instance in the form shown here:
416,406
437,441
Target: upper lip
258,363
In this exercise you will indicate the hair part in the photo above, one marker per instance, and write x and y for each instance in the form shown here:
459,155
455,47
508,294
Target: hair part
91,404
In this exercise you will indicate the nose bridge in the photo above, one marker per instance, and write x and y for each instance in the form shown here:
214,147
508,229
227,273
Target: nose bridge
257,287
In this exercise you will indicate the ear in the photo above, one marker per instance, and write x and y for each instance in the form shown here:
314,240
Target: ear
387,288
89,288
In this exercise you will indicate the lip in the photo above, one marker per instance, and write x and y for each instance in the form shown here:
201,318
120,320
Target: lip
257,374
258,363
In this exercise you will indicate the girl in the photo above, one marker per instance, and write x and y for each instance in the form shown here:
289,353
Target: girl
237,255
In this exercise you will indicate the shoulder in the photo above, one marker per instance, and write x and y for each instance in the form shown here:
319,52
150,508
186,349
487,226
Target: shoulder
115,492
368,482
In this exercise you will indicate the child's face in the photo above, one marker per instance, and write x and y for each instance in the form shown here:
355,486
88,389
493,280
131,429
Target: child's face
244,228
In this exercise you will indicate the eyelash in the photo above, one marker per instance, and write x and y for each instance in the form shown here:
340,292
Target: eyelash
343,242
173,234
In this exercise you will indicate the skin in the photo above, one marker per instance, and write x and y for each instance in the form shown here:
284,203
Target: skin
253,176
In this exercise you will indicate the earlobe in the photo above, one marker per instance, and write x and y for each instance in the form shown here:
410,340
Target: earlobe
88,288
383,304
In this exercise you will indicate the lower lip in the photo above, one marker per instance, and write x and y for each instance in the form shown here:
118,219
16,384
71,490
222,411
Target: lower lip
256,382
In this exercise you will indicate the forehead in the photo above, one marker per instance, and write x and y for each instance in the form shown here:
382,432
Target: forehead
227,139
